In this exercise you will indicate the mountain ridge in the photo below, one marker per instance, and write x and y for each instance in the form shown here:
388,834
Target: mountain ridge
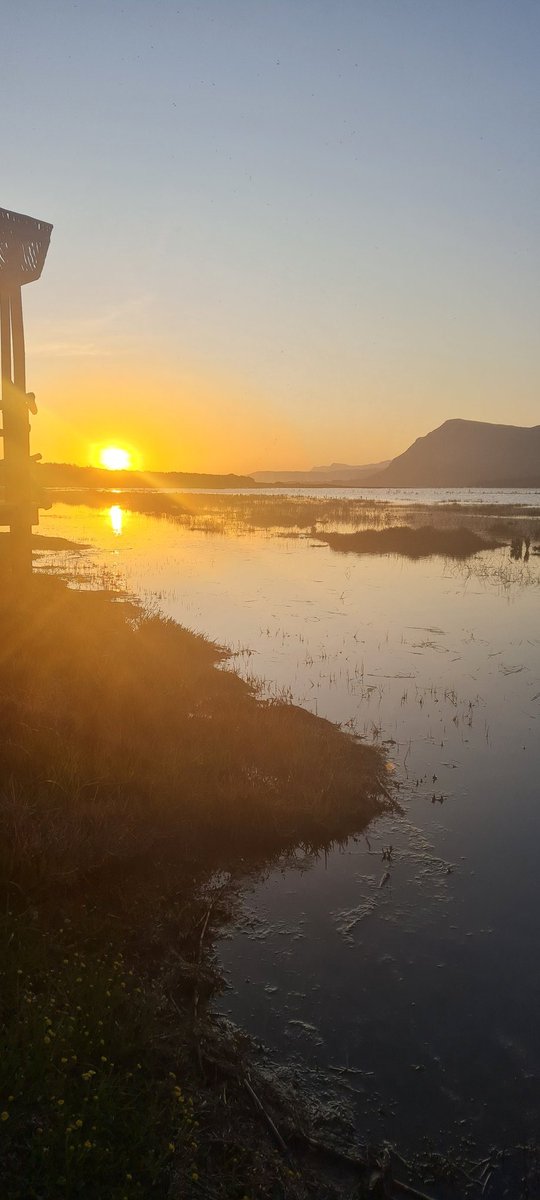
463,453
334,473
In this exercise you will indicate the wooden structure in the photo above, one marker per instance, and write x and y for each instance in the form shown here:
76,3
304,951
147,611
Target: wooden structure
23,246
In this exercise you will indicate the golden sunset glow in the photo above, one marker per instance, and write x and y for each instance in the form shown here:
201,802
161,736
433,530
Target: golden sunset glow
115,458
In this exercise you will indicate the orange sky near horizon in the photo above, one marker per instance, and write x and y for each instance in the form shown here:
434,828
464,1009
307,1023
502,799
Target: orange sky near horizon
186,423
189,420
194,420
193,423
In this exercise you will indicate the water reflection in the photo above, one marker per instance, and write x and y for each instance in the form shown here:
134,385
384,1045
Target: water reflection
116,518
237,513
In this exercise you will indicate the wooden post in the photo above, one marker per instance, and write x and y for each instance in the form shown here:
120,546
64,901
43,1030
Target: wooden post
16,430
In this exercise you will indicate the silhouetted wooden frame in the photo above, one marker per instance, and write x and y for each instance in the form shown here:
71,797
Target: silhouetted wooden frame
23,247
24,242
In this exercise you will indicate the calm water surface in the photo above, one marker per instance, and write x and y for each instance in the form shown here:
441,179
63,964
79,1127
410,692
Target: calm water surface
525,497
412,984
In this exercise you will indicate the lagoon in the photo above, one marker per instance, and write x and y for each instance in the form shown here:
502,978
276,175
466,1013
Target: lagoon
400,968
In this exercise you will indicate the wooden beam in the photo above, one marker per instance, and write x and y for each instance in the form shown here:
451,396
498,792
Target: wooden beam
17,334
6,515
5,339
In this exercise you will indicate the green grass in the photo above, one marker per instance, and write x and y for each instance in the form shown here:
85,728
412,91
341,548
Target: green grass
88,1107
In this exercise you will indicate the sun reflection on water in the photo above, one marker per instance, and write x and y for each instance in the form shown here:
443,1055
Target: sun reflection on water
116,518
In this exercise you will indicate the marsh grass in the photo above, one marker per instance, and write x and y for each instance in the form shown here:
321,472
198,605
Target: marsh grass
298,514
230,513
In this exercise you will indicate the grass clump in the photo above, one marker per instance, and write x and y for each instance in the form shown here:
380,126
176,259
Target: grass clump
118,731
411,543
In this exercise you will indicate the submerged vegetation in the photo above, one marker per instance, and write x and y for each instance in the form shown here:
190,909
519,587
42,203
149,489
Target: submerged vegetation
225,512
137,781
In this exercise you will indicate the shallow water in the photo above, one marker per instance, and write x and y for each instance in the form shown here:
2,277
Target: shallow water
526,497
412,979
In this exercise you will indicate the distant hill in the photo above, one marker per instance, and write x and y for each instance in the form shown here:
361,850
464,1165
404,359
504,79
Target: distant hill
66,475
336,473
467,454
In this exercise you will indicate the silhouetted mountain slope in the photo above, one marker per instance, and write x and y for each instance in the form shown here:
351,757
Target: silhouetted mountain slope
467,454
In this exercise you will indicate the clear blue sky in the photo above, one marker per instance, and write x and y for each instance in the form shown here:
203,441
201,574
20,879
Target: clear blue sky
285,232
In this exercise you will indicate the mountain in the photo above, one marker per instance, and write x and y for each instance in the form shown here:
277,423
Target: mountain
467,454
336,473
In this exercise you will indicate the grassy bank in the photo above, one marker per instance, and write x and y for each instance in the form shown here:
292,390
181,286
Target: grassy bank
118,729
137,781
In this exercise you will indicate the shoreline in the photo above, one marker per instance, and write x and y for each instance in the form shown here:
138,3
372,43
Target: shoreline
115,827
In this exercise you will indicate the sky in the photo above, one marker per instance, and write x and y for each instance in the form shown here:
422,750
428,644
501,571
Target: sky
286,232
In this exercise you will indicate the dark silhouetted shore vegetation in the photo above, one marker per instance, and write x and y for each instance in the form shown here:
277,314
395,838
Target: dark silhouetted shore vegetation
411,543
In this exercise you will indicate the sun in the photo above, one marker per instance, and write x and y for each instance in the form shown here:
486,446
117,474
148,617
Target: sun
115,458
